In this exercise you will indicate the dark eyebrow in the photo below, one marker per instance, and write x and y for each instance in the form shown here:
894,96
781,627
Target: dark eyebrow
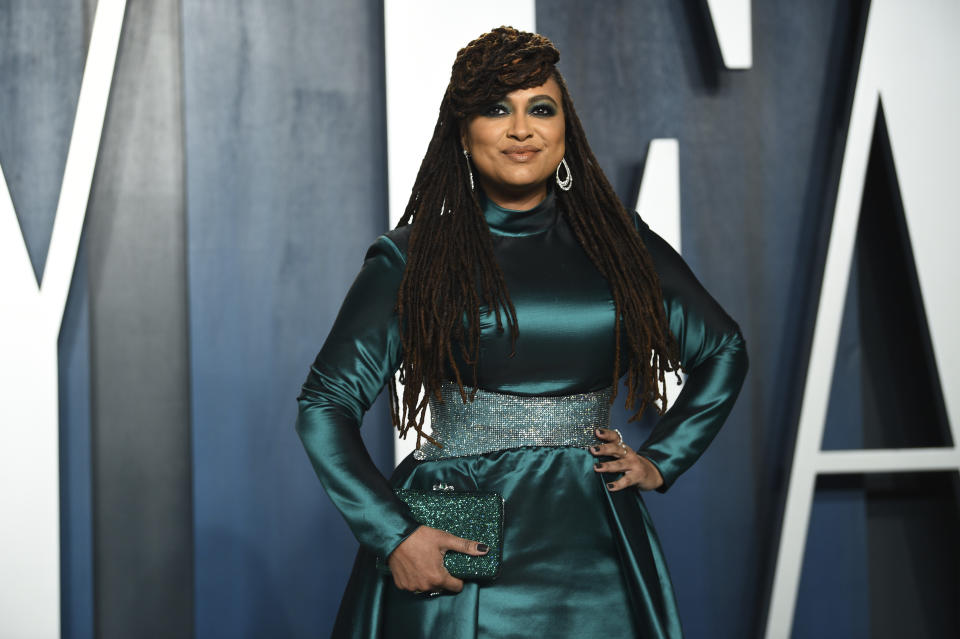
543,96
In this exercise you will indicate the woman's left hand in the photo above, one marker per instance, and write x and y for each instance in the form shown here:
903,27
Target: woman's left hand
637,470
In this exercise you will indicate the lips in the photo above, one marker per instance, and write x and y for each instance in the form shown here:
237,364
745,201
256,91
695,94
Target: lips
521,153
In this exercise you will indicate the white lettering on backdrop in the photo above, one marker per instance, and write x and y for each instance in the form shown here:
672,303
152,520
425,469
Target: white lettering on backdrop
909,60
30,317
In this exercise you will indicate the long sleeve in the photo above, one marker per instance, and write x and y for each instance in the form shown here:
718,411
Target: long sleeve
358,357
714,354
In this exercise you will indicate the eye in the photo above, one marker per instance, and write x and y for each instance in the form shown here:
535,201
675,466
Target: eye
543,109
496,110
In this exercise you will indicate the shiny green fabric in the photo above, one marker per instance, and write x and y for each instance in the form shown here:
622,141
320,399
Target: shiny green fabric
571,548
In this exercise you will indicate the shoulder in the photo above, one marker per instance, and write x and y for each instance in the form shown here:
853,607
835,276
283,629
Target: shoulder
392,245
390,248
659,249
676,277
638,223
682,289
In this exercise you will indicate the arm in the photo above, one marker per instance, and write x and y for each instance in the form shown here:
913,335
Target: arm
358,357
714,354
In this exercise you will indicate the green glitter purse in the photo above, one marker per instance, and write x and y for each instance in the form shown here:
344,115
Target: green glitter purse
477,516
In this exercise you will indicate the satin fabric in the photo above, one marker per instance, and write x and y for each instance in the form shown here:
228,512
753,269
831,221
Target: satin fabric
571,547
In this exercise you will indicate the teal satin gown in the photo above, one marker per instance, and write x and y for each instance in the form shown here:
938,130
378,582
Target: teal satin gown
578,560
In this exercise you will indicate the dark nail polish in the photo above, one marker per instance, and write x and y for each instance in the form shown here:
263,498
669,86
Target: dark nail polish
598,464
482,548
596,449
610,486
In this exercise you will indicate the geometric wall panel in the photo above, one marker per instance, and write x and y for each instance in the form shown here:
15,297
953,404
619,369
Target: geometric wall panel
908,54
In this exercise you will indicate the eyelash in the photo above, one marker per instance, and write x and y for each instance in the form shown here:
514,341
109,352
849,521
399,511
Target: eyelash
548,110
540,110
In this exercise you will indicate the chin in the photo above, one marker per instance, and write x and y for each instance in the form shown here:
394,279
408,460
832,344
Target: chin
520,188
526,180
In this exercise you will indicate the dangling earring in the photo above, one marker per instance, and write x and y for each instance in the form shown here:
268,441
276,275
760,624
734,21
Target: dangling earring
566,182
466,154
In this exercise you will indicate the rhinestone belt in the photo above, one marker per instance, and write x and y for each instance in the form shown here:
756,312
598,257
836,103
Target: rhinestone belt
499,421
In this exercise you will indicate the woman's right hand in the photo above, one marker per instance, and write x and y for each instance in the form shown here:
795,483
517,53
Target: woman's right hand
417,563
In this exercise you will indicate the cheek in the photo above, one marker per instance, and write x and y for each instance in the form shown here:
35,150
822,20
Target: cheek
559,146
482,137
558,140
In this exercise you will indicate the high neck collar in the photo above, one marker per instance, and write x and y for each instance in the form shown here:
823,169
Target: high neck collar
509,222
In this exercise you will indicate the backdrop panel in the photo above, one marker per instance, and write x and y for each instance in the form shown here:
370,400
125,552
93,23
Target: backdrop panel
286,187
143,558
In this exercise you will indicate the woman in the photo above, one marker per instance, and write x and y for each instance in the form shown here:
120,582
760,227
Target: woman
499,288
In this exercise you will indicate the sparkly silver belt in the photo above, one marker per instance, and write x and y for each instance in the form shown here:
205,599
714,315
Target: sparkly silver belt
499,421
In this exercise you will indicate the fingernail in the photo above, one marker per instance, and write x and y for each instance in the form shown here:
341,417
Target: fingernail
601,431
610,486
482,548
598,464
596,449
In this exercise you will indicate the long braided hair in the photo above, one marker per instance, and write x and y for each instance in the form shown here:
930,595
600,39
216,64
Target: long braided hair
451,269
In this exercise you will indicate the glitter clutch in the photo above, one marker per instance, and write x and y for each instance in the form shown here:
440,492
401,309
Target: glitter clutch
477,516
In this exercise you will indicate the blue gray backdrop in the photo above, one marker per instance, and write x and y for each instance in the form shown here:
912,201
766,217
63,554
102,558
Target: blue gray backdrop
242,173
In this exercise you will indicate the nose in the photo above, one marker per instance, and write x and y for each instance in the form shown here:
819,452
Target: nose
519,126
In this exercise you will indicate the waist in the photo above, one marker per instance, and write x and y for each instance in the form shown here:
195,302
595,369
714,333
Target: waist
500,421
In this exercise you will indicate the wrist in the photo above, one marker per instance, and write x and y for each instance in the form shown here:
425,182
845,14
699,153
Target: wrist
655,478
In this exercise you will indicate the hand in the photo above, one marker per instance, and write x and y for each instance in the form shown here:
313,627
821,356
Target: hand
417,563
637,470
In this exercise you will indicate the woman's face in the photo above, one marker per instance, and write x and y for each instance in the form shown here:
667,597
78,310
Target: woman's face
516,145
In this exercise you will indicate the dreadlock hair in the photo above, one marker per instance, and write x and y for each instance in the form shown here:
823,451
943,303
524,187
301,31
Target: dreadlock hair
451,269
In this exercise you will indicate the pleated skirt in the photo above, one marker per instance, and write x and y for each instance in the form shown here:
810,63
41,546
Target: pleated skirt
578,560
